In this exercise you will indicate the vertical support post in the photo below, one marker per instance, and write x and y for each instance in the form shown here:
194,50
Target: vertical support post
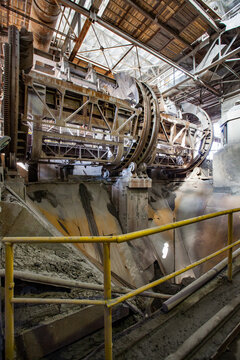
174,244
107,296
9,307
230,238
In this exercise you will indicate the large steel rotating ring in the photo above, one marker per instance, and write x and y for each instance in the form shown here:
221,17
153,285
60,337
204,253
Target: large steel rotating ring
73,124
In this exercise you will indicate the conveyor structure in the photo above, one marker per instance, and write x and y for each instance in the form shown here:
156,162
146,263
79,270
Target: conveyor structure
61,113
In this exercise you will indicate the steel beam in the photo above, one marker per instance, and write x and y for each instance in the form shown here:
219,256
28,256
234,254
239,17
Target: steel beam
124,35
73,24
134,41
217,62
121,58
80,39
84,31
200,46
231,70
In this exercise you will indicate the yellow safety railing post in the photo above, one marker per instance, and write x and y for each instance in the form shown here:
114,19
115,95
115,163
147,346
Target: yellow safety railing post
107,302
107,296
230,238
9,306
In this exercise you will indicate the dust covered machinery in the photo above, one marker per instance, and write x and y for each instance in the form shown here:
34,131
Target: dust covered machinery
65,114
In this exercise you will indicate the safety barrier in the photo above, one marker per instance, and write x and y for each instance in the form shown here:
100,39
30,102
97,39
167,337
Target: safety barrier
107,302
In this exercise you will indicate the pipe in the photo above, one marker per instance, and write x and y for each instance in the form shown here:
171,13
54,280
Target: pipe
45,11
123,237
54,281
150,285
194,286
57,301
191,345
25,16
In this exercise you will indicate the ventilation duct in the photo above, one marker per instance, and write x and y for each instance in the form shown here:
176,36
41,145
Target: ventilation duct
45,11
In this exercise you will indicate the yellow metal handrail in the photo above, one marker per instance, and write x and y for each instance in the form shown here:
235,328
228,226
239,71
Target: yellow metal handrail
108,302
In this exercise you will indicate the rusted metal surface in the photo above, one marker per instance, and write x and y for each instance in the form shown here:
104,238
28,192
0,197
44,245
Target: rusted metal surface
80,39
45,11
74,122
62,205
34,343
94,8
183,143
92,132
11,93
79,120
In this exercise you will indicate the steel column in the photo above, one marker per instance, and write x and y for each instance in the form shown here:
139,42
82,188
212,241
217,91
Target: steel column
230,239
9,307
107,296
208,67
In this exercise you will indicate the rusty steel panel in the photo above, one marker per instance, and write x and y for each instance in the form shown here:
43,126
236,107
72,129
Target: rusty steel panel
44,339
79,124
64,208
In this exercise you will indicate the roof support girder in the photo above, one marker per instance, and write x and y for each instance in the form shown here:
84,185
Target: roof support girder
136,42
80,39
221,60
121,58
74,22
94,8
